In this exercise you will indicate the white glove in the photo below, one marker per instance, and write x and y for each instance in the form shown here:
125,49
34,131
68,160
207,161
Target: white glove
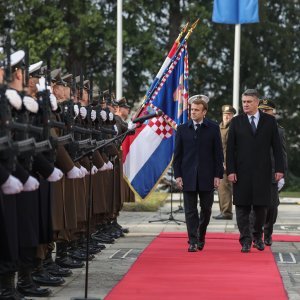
103,168
56,175
12,186
14,98
31,184
53,102
76,110
84,171
94,170
83,112
41,86
110,165
110,116
116,129
93,115
30,104
280,184
103,115
74,173
131,125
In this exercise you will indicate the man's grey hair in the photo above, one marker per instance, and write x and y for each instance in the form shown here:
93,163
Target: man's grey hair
251,92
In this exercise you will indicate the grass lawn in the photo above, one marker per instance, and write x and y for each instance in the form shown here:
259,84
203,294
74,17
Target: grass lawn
155,200
290,194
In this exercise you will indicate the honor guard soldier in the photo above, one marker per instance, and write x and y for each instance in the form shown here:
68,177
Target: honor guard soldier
28,200
64,206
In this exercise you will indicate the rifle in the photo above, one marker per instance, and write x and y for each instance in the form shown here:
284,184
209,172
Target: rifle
7,25
26,66
46,114
101,144
81,84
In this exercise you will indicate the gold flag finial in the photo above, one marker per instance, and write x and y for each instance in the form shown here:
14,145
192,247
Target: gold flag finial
192,29
182,31
185,27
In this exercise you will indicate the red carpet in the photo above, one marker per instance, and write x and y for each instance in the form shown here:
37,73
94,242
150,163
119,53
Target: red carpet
232,236
165,270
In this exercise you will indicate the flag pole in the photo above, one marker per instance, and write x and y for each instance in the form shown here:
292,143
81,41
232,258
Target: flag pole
150,93
193,26
119,70
236,68
151,89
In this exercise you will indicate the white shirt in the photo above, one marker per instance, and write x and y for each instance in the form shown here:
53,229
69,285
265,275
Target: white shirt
195,124
256,118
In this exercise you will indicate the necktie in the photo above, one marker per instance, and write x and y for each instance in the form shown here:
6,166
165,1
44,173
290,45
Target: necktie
198,127
253,126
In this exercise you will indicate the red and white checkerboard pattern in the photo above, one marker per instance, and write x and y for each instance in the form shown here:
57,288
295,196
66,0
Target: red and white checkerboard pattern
160,127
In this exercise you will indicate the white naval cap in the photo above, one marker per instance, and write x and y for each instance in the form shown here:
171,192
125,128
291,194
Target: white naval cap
35,67
17,58
196,97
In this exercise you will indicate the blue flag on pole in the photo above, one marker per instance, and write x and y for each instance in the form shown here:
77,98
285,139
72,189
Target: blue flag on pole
235,11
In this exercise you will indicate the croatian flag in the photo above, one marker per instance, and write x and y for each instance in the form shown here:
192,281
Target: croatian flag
164,66
235,11
148,153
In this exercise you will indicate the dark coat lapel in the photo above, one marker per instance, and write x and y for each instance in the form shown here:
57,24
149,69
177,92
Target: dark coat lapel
191,124
261,120
247,123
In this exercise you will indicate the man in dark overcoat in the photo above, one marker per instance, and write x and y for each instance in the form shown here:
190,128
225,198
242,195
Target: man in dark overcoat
248,161
198,168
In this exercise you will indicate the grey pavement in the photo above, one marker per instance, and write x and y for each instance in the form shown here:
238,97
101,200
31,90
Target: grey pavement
109,266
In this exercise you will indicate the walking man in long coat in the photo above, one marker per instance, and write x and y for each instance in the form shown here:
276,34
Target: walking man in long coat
198,168
251,136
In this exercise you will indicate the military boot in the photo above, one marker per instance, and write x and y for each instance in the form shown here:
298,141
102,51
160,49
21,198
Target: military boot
28,287
63,259
42,277
8,290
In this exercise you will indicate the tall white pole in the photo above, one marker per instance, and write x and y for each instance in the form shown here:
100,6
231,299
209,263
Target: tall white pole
236,68
119,51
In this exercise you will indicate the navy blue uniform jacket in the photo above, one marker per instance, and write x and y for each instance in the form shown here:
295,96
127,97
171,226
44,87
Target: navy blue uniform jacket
198,157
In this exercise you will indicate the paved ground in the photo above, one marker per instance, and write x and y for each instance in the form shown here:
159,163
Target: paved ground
110,265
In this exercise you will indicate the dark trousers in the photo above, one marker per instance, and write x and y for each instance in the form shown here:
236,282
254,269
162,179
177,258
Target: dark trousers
272,213
196,226
27,258
271,218
243,216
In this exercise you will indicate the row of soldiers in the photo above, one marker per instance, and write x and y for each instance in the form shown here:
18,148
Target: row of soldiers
59,149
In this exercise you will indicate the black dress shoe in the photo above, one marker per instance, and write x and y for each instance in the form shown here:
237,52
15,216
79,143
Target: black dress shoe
125,230
259,245
102,239
116,224
11,294
55,270
33,290
222,217
80,255
268,241
44,278
68,262
193,248
246,248
92,243
201,245
92,249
